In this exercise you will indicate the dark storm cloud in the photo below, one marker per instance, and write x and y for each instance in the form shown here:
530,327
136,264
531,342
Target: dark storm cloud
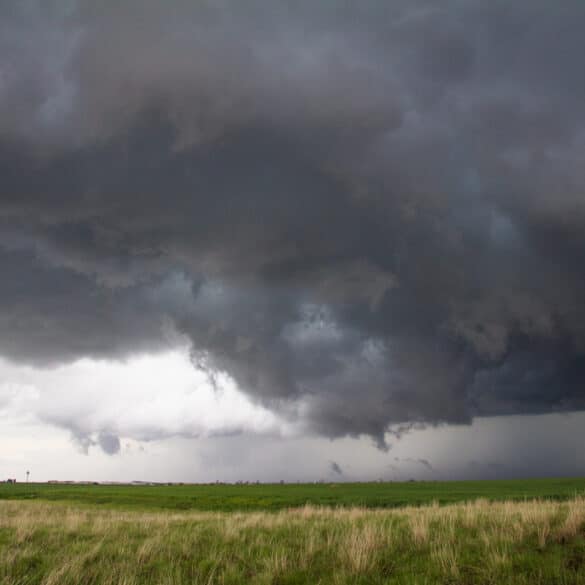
367,214
50,314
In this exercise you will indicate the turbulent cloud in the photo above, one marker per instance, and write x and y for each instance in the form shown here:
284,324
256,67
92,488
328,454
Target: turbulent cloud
366,215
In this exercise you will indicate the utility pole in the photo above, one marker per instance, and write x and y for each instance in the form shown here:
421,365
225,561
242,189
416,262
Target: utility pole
27,474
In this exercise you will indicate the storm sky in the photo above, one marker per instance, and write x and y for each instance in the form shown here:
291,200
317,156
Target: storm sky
350,228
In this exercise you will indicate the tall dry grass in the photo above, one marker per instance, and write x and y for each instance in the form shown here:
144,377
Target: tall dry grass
479,542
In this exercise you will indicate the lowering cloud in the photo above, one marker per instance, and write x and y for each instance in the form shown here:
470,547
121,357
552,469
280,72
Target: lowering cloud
336,468
366,215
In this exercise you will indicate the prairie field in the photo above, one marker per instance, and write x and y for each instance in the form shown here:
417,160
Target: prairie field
273,497
477,542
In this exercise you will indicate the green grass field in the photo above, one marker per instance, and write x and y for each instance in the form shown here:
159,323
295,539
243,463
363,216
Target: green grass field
271,497
451,533
480,543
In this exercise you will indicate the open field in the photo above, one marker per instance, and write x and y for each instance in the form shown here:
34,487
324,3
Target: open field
496,543
488,532
256,497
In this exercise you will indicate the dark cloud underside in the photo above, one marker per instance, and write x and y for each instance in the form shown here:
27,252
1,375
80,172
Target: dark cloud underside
367,214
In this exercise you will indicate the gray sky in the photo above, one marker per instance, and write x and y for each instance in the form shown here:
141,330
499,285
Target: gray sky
231,228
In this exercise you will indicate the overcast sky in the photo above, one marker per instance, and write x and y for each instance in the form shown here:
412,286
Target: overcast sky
292,240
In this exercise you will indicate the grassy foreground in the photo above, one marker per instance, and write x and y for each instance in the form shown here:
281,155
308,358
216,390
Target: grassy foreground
536,542
225,497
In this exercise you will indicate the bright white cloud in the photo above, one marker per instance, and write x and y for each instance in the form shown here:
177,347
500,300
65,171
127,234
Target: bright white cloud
144,398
